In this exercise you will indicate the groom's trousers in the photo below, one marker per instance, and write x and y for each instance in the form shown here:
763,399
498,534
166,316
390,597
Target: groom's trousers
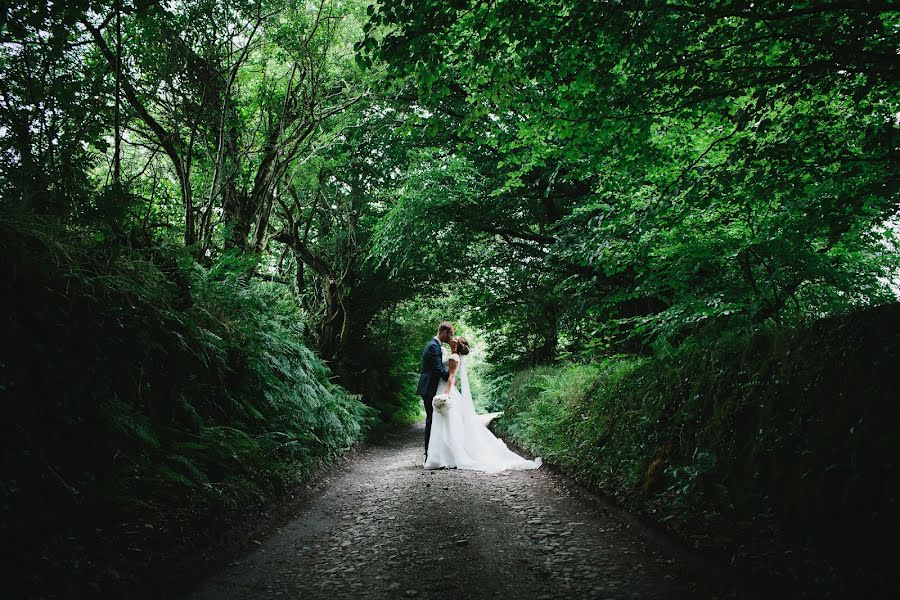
429,410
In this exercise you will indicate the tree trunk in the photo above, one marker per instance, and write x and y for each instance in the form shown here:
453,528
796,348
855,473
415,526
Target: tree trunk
241,223
547,352
333,328
263,223
190,233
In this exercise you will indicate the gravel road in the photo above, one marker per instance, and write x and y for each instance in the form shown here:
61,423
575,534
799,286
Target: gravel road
386,528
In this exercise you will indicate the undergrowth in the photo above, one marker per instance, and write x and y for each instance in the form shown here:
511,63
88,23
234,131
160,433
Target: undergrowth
146,397
776,448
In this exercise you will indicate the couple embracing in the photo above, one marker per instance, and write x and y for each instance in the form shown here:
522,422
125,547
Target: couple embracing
455,436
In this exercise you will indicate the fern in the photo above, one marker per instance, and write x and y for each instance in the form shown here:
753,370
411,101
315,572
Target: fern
138,372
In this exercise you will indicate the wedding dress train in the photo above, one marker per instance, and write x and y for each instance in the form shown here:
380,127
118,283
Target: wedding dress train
460,439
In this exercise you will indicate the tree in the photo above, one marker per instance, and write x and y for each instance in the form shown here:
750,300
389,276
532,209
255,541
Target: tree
702,162
52,109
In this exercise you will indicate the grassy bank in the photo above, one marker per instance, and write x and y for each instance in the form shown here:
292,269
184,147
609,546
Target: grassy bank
147,402
775,449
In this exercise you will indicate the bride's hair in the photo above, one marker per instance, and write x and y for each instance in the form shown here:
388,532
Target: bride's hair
462,345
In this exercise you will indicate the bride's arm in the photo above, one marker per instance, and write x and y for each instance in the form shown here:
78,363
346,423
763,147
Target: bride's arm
451,378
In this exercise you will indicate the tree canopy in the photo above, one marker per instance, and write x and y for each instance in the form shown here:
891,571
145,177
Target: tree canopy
590,176
653,166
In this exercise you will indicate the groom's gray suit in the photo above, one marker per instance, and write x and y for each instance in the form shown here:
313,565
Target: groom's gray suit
432,371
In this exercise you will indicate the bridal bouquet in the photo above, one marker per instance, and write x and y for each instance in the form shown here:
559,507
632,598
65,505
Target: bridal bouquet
441,403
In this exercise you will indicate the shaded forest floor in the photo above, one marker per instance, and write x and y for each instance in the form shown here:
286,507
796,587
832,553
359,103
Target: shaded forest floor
385,527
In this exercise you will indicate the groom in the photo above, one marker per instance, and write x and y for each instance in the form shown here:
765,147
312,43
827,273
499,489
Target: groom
432,371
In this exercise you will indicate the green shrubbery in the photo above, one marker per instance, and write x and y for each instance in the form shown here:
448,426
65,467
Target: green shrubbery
758,442
391,354
138,384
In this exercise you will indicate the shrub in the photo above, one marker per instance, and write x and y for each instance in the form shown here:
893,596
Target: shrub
782,438
138,384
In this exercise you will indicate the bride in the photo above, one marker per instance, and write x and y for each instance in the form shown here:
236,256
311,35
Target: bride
459,439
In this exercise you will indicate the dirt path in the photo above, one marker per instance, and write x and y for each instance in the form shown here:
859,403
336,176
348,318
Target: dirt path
386,528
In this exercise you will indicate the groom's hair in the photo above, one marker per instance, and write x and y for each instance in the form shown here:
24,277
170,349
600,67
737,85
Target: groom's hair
445,326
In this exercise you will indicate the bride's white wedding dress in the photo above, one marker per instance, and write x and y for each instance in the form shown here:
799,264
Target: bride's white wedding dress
460,439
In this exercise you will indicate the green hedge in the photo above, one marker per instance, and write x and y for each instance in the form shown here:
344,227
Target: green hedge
778,447
146,398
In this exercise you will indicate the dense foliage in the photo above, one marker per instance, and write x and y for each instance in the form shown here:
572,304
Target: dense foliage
589,176
656,165
141,391
776,450
209,208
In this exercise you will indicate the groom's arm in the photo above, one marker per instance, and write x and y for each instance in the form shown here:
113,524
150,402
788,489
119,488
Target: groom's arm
437,365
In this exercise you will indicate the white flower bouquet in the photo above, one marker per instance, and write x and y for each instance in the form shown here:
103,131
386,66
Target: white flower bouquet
441,403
